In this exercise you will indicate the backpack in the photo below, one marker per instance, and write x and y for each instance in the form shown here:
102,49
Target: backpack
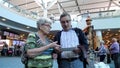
24,56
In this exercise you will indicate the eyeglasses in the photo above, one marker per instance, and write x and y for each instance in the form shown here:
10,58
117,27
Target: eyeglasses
65,21
46,25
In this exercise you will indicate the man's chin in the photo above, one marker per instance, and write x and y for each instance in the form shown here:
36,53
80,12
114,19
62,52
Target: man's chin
66,29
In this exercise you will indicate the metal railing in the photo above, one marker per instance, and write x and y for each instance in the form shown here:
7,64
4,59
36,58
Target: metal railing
103,14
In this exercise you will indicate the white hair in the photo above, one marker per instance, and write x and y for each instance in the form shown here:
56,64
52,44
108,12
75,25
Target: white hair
43,20
114,39
102,42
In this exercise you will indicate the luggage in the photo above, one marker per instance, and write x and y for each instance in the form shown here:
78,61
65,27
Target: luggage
55,64
10,52
101,65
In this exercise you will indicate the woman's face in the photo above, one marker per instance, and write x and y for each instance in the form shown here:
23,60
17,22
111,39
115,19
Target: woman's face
45,28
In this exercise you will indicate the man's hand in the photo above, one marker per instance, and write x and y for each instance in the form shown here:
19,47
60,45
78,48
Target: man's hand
77,50
54,55
58,50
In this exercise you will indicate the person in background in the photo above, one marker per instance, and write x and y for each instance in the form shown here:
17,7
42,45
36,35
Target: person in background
119,44
39,46
114,50
12,47
119,49
70,39
108,54
88,30
102,51
5,48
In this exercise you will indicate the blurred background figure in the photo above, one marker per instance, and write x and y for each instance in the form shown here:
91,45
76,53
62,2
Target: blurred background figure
102,51
5,49
88,30
114,50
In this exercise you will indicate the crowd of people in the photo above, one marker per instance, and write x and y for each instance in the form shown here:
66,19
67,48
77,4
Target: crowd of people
13,50
109,53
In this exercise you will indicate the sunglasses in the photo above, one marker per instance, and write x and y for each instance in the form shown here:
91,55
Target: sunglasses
65,21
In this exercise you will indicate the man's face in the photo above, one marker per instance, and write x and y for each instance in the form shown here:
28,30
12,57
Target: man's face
65,23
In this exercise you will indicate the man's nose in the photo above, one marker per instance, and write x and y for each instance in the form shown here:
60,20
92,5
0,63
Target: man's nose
66,23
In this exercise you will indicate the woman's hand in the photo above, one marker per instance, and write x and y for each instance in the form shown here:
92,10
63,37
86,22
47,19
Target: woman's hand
53,45
54,55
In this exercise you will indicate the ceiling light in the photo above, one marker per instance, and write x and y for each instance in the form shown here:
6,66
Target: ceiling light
8,27
108,29
27,27
118,30
3,19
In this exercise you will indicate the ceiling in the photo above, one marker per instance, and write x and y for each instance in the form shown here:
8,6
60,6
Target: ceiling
74,7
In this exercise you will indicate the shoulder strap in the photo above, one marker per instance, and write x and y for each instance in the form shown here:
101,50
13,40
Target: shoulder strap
36,36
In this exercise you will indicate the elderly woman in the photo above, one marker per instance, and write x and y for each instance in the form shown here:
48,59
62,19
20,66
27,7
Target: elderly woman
39,47
102,51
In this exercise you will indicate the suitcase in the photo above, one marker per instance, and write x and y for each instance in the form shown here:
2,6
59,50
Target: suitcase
101,65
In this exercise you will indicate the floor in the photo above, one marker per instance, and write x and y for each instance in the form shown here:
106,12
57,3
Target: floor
15,62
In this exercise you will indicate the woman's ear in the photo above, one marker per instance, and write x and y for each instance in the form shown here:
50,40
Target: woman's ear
39,28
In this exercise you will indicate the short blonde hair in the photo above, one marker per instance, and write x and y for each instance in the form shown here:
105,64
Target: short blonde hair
43,20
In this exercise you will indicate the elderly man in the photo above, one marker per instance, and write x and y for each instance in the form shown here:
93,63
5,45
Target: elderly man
70,40
114,50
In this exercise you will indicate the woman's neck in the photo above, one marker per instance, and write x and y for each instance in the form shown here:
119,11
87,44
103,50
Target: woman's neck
40,33
42,36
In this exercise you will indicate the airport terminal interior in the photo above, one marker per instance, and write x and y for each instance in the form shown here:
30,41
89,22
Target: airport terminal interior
18,19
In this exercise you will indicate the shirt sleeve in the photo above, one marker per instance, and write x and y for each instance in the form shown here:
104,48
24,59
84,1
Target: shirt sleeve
30,42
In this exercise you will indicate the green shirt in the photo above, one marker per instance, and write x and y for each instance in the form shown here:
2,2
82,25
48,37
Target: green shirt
43,59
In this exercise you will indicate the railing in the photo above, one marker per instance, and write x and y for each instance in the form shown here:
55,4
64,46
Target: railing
103,14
